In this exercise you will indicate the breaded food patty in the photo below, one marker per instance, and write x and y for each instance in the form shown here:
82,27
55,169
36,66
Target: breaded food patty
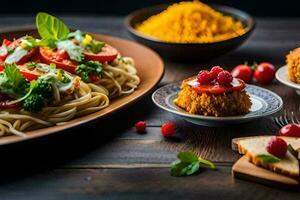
225,104
293,62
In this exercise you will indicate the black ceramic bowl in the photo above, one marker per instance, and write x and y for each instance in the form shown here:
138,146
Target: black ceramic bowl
189,51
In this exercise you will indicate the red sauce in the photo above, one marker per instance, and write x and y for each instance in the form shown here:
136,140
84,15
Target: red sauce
4,99
215,88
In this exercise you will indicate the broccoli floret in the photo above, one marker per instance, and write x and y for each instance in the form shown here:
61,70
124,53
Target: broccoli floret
34,103
44,88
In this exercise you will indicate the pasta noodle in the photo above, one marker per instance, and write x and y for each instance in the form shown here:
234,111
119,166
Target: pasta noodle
119,78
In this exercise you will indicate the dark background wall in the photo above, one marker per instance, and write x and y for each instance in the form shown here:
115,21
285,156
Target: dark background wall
122,7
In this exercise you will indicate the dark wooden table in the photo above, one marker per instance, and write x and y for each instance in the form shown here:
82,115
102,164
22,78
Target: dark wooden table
109,160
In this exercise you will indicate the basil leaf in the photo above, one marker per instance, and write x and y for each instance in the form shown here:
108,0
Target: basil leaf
75,52
293,151
208,163
179,168
188,163
187,157
48,42
49,27
268,158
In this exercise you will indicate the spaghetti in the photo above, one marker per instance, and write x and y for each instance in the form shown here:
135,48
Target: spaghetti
119,78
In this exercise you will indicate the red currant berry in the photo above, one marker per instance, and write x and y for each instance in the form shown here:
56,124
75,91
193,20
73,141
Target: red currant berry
277,147
204,77
215,71
224,78
140,126
168,129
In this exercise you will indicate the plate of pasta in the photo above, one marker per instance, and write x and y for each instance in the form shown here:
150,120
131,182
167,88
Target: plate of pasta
52,78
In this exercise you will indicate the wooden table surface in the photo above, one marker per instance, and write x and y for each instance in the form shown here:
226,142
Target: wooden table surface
109,160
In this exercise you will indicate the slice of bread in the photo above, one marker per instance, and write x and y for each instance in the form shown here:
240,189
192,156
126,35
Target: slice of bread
253,146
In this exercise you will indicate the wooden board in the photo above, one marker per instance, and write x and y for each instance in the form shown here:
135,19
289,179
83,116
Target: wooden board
246,170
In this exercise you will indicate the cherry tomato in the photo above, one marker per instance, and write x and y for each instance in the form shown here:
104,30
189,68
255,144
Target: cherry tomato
243,72
48,56
30,74
94,77
107,54
24,59
264,73
277,147
290,130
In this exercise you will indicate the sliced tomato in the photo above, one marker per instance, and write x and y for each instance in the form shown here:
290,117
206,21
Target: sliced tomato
6,42
24,59
3,49
30,74
14,44
107,54
1,66
62,55
48,56
3,53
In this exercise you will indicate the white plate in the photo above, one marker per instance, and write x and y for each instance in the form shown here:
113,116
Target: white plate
282,76
264,103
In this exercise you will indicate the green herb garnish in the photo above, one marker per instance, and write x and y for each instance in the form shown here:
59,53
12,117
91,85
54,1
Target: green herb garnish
87,68
31,65
96,46
268,158
188,163
51,28
12,82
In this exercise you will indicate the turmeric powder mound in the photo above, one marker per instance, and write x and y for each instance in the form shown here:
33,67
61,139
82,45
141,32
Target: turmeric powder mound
191,22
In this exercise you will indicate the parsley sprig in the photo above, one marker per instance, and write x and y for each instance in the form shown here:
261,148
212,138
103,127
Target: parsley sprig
88,68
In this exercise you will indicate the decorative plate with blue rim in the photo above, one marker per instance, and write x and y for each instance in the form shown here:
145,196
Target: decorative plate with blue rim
264,103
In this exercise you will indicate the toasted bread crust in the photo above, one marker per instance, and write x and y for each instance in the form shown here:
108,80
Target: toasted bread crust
252,158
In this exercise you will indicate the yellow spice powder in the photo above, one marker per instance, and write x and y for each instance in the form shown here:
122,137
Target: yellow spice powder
191,22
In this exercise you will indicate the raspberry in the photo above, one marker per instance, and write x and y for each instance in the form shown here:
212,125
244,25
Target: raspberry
215,71
224,78
204,77
140,126
168,129
277,147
